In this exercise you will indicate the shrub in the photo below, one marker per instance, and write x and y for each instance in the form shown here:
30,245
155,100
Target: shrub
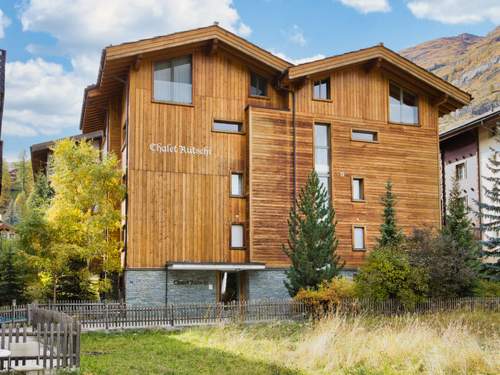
487,288
452,268
328,295
387,274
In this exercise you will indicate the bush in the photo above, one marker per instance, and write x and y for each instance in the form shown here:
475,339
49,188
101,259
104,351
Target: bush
452,267
328,295
387,274
487,288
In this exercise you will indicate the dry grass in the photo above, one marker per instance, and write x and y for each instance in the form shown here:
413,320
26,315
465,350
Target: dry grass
434,344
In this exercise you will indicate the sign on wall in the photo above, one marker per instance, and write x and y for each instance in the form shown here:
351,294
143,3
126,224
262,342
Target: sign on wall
180,149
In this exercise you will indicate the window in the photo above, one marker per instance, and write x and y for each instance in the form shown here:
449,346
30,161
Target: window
364,135
322,154
403,106
228,127
237,236
358,189
321,89
460,171
258,85
172,80
358,238
237,184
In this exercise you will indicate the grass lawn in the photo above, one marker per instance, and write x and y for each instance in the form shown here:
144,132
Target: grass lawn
456,343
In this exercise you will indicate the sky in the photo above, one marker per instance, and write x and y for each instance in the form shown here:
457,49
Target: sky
53,46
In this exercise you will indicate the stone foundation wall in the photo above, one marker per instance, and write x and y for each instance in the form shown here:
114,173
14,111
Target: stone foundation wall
267,284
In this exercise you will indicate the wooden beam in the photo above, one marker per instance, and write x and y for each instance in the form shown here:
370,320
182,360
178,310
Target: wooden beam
372,64
213,47
137,63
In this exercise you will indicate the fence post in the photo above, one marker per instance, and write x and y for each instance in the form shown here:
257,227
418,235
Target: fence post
106,316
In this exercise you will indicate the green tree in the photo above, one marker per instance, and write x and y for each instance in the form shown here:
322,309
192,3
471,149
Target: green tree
450,265
5,197
312,241
390,234
457,224
85,210
12,274
388,274
24,174
489,210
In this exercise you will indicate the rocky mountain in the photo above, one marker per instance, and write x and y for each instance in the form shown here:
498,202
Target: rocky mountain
468,61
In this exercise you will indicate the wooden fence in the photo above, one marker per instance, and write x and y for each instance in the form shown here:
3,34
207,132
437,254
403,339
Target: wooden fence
111,315
58,335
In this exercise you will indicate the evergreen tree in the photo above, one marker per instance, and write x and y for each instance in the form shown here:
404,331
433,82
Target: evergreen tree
312,241
11,277
42,193
457,225
489,210
391,235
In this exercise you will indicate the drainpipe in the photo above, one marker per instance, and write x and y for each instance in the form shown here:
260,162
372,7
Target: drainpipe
294,126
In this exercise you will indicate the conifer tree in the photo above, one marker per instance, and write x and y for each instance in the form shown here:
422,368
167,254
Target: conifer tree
312,241
489,210
457,225
391,235
11,280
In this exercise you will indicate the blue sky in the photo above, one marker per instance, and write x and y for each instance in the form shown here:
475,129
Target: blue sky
53,46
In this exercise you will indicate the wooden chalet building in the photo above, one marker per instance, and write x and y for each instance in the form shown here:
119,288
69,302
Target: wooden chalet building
216,136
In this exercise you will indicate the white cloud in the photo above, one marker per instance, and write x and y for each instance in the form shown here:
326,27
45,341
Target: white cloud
300,60
40,98
296,36
44,98
368,6
83,27
457,11
4,23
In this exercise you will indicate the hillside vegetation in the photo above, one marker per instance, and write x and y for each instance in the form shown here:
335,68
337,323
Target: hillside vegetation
468,61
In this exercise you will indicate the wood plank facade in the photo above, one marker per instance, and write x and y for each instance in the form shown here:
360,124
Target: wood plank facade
179,207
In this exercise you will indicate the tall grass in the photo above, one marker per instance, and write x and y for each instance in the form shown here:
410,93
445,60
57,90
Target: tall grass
433,344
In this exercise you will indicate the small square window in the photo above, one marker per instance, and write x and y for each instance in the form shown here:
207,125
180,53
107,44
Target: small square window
364,135
460,171
227,127
321,89
358,189
358,238
258,85
237,184
237,236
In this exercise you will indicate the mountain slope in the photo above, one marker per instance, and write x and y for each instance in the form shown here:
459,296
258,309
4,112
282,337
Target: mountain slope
468,61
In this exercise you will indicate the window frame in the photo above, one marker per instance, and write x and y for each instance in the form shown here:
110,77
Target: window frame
402,89
171,102
250,95
363,199
464,165
214,120
356,130
329,89
329,149
357,226
243,236
242,174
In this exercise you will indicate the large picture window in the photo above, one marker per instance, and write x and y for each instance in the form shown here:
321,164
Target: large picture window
403,105
322,154
173,81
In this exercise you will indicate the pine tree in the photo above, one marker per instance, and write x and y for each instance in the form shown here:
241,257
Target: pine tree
489,210
391,235
11,281
458,226
312,241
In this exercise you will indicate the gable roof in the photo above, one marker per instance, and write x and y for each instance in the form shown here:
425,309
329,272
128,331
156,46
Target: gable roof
117,60
471,123
449,92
